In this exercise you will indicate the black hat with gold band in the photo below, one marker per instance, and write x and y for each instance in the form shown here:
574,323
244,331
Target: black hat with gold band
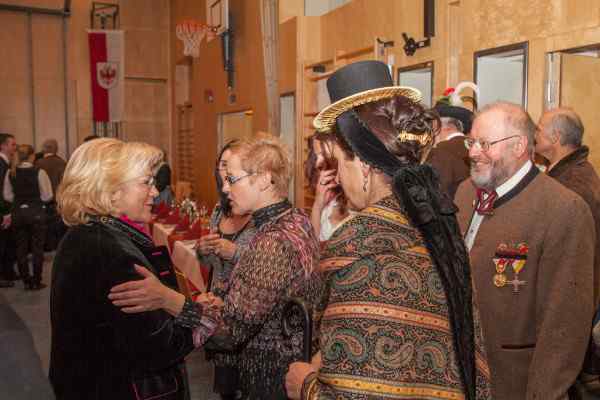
357,84
416,187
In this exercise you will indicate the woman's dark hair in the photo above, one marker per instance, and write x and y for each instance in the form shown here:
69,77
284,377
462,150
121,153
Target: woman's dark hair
224,202
406,130
311,172
387,118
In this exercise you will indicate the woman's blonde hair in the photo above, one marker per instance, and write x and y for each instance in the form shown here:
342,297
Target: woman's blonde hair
96,170
266,153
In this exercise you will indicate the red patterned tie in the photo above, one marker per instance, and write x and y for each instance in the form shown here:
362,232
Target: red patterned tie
485,201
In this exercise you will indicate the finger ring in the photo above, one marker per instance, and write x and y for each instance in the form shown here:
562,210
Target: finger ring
323,183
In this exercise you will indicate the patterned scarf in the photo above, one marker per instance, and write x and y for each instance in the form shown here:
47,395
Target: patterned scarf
295,228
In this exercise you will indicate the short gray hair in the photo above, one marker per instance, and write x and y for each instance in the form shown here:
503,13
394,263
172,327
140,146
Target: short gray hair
569,127
50,146
456,123
516,119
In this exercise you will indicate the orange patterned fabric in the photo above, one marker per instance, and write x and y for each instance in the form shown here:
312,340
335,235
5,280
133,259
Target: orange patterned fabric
385,327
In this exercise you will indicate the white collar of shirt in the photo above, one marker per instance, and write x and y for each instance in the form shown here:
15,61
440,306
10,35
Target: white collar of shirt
49,155
26,164
514,180
453,135
5,158
507,186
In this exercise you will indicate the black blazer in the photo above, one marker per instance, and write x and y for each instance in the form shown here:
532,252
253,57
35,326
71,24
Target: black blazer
4,205
97,351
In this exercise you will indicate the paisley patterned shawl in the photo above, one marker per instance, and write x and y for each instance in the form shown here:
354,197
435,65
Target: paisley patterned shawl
385,329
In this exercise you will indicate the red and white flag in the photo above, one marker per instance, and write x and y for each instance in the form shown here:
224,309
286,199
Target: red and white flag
107,54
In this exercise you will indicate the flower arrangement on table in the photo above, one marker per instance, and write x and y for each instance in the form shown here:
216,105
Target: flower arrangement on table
189,208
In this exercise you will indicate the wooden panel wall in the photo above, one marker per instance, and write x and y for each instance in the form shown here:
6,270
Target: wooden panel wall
15,104
147,70
146,23
462,28
50,4
288,56
290,9
208,76
48,80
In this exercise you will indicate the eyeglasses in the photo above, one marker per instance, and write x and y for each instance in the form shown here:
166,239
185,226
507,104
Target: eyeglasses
149,181
233,179
484,145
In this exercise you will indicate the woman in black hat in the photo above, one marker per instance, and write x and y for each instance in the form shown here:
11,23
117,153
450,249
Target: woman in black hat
398,320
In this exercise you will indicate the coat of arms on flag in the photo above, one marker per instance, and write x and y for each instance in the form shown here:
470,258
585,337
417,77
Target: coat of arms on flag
107,50
107,74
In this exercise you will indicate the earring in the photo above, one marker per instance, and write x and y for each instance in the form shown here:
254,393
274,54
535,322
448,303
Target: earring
365,181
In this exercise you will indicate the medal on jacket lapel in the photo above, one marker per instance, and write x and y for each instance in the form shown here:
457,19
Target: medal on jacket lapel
500,276
516,258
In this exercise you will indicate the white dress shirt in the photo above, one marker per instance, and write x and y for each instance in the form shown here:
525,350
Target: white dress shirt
453,135
506,187
43,181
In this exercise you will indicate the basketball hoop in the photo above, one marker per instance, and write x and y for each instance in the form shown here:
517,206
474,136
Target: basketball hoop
191,33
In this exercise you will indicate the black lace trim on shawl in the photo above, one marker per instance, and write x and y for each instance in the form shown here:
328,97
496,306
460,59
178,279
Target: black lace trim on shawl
433,214
267,213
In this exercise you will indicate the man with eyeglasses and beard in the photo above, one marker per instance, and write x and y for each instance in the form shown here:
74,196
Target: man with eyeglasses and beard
531,244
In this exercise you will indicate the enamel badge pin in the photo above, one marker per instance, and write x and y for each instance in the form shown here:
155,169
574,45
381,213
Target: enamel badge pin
507,258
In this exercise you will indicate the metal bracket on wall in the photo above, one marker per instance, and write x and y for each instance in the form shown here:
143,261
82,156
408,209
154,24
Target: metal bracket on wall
382,45
104,16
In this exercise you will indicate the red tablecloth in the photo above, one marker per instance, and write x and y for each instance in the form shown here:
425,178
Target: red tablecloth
183,256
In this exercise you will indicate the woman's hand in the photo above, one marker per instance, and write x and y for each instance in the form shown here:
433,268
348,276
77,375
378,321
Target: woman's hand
324,192
295,378
209,299
206,242
147,294
213,243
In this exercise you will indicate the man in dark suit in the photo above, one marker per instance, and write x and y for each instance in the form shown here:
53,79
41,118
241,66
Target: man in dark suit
8,146
449,156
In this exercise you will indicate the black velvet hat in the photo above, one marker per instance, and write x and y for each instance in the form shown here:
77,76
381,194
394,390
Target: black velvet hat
356,84
460,113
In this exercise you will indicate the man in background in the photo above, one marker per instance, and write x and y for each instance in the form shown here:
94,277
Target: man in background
52,163
54,166
8,147
560,140
449,156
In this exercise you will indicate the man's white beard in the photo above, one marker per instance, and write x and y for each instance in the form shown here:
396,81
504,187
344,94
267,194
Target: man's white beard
492,177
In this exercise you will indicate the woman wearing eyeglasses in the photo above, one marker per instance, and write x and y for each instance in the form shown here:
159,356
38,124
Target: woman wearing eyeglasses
279,262
221,251
97,351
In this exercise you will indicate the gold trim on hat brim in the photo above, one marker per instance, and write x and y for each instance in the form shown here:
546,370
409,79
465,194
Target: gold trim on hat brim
325,120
